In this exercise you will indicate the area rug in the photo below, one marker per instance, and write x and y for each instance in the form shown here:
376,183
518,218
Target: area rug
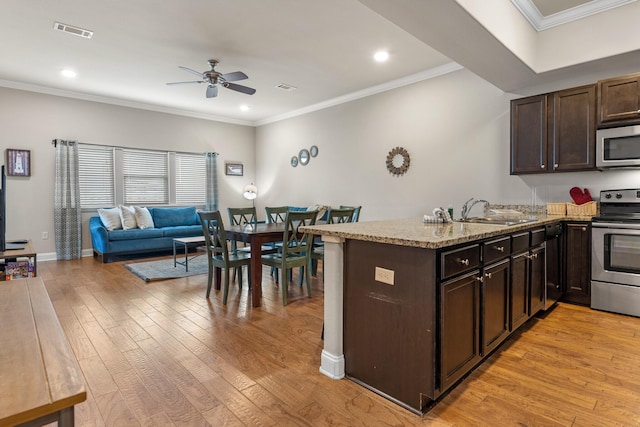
163,269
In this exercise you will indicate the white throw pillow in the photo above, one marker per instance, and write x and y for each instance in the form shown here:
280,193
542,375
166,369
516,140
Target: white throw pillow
128,217
110,218
143,217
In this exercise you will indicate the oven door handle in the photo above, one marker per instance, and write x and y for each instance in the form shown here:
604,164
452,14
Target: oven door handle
617,225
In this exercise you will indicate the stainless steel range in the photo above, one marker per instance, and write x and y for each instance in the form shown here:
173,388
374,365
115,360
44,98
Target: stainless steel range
615,257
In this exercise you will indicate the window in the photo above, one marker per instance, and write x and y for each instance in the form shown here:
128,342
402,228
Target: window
95,170
146,177
110,176
191,176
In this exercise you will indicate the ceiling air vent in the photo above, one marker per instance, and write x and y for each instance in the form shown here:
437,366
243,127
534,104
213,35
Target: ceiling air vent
76,31
286,87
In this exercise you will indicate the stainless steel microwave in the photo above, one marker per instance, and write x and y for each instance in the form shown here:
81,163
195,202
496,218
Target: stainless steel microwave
618,147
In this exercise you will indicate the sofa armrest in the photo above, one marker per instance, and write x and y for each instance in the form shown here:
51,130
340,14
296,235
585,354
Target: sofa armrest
99,234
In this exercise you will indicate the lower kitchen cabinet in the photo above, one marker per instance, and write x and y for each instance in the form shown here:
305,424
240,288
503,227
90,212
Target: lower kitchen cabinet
460,327
577,270
495,304
537,279
519,295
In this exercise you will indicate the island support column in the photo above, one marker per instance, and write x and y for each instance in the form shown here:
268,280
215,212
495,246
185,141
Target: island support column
332,358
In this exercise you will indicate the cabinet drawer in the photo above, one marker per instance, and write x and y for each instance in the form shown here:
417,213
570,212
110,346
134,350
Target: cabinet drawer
537,236
459,260
520,242
496,249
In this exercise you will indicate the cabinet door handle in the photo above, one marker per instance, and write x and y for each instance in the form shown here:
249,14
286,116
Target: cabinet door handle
555,166
489,275
541,166
584,228
480,279
499,248
464,261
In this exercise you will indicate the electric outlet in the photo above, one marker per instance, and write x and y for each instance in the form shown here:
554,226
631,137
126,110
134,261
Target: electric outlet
385,276
45,235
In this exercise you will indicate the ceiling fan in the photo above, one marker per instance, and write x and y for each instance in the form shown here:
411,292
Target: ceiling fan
213,78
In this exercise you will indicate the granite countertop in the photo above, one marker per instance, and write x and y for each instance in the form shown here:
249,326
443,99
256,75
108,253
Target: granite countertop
413,232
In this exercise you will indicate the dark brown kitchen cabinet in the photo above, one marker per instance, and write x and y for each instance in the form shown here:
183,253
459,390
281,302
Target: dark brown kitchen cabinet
519,295
577,271
554,132
537,277
460,327
495,304
619,101
529,135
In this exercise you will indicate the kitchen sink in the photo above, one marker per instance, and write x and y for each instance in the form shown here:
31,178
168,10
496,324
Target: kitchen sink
498,221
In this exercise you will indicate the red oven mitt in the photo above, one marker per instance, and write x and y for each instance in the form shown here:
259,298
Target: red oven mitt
579,196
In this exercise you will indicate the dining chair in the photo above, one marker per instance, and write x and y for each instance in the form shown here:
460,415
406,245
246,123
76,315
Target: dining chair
275,214
296,249
241,216
356,212
334,216
218,253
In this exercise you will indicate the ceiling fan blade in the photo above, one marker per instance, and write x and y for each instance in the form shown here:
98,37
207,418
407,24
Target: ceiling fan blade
185,83
212,91
235,76
240,88
197,73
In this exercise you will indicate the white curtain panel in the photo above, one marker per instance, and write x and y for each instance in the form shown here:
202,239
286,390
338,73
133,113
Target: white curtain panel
67,209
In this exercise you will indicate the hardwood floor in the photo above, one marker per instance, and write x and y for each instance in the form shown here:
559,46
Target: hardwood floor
159,353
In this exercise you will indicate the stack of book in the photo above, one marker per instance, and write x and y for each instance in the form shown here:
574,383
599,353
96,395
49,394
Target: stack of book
18,270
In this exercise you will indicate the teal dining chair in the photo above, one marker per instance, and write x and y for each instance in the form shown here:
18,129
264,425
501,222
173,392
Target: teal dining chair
241,216
295,250
218,253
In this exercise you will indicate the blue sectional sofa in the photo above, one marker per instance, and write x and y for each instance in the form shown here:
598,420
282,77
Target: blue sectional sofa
168,223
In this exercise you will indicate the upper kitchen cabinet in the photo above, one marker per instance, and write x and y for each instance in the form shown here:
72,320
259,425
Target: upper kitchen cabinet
619,101
554,132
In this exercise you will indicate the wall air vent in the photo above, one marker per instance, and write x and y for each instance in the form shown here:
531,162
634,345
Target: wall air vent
76,31
286,87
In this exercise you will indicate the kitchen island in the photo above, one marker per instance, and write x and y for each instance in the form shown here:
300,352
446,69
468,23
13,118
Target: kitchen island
410,307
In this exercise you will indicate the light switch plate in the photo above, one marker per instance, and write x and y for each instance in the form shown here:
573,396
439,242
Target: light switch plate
385,276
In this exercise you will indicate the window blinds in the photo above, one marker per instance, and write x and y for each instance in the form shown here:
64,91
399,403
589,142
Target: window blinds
146,177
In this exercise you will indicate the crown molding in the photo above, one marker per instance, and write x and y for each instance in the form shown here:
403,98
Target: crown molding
393,84
120,102
539,22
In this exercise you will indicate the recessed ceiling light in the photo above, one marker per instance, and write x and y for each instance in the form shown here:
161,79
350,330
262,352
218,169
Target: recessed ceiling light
381,56
244,108
68,73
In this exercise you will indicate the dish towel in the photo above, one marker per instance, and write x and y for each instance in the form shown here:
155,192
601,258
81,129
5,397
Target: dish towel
439,215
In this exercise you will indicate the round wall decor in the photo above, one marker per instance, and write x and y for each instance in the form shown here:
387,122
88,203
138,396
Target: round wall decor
304,157
398,161
313,150
294,161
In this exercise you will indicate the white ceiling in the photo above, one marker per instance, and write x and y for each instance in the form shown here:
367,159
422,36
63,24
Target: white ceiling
323,48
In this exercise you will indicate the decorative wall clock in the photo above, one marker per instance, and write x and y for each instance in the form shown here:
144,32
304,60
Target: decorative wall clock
398,161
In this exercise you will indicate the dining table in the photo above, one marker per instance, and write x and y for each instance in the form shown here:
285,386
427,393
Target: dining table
256,235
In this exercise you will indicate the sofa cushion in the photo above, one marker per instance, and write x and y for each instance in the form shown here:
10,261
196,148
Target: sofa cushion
172,217
110,218
143,217
128,217
136,233
182,231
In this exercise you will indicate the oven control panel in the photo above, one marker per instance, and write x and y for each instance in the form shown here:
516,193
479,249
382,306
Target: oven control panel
620,196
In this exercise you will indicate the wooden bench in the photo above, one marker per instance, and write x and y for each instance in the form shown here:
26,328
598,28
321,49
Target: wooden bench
40,377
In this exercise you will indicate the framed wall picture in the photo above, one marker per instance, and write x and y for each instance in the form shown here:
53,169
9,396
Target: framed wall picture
18,162
235,169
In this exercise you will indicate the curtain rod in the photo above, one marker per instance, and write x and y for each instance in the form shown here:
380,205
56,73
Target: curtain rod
54,142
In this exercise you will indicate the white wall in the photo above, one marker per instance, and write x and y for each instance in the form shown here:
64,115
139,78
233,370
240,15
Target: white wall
456,130
30,121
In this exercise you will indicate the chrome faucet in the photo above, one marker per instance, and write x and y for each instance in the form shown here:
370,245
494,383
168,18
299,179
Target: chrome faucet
466,208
